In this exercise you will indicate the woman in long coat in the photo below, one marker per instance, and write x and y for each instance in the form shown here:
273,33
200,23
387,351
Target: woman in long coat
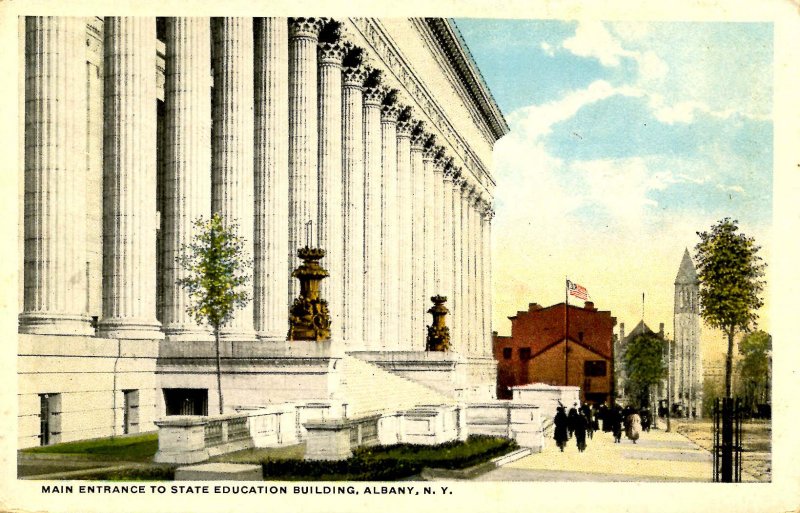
560,422
633,426
616,423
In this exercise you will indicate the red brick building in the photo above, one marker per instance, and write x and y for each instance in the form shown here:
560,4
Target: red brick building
538,351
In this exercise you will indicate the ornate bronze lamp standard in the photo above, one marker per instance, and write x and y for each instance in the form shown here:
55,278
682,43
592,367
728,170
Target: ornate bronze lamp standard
308,316
438,332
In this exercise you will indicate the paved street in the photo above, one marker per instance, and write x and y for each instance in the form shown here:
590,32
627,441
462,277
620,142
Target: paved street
656,456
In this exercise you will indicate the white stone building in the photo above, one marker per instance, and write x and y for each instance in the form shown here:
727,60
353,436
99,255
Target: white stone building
370,138
686,359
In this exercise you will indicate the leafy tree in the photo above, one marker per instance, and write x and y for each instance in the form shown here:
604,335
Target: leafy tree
644,366
215,277
754,368
731,281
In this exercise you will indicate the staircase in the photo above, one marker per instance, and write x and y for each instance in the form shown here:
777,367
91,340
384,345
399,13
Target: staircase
368,389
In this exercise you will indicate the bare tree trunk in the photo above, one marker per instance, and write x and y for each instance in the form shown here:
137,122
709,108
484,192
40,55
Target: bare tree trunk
729,365
219,371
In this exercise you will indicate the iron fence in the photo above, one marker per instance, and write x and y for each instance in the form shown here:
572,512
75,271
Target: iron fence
728,415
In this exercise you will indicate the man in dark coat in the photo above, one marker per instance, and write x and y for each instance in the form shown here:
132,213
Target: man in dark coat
581,424
603,415
616,423
572,419
560,422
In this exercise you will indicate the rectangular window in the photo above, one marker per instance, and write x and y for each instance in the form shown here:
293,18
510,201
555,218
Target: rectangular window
49,418
186,401
524,353
507,353
130,414
594,368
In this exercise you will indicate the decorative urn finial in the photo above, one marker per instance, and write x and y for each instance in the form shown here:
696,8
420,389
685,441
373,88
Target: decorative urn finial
438,332
308,316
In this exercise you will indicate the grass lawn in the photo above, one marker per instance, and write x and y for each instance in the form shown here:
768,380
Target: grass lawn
125,448
381,463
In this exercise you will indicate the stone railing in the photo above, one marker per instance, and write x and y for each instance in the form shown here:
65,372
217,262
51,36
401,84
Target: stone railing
335,439
433,424
191,439
520,421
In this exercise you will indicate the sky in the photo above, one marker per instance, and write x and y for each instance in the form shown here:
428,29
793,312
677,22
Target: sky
627,138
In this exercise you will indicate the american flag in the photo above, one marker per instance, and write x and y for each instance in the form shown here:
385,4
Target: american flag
578,291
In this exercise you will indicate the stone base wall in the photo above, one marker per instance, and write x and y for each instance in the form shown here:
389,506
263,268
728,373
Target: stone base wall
254,374
89,376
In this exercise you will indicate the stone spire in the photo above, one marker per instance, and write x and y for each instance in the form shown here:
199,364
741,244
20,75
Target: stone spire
686,272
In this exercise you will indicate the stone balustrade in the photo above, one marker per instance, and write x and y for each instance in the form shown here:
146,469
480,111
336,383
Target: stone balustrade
519,421
191,439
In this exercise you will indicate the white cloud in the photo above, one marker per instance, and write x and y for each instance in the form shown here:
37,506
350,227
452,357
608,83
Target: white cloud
537,120
592,39
547,48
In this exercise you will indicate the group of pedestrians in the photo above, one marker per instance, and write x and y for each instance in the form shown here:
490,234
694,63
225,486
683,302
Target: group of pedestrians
579,422
582,421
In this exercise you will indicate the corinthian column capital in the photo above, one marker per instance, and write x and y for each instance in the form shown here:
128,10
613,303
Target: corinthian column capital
405,125
354,72
429,147
308,28
390,110
418,136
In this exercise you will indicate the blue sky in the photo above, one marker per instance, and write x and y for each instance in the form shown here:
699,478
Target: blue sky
626,139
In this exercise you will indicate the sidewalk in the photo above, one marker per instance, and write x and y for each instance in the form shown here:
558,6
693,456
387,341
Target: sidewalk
656,456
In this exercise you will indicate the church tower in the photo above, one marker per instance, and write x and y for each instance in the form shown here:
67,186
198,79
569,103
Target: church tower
686,369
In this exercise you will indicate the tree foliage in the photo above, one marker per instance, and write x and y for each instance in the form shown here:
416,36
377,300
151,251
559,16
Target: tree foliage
216,274
644,366
215,279
754,368
731,276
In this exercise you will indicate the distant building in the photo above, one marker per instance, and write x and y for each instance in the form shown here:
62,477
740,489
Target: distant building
620,348
686,365
539,350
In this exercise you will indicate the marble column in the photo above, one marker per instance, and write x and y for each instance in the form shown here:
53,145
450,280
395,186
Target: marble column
466,263
353,76
303,141
389,230
404,190
129,158
447,233
438,222
480,297
271,178
187,195
458,296
418,303
373,98
329,220
487,277
475,252
55,174
430,241
232,146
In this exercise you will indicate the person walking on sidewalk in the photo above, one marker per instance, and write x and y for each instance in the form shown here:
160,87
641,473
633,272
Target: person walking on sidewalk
581,425
615,415
560,422
572,419
633,426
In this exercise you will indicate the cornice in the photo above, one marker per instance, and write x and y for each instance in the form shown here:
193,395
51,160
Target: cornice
385,48
456,49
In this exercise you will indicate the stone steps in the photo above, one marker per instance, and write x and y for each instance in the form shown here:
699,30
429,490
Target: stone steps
369,389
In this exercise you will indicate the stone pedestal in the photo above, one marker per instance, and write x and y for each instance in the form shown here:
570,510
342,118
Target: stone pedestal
328,440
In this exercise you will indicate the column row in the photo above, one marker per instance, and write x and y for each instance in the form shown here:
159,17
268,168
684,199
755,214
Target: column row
287,131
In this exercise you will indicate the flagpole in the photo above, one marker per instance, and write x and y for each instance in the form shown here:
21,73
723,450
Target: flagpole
566,331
